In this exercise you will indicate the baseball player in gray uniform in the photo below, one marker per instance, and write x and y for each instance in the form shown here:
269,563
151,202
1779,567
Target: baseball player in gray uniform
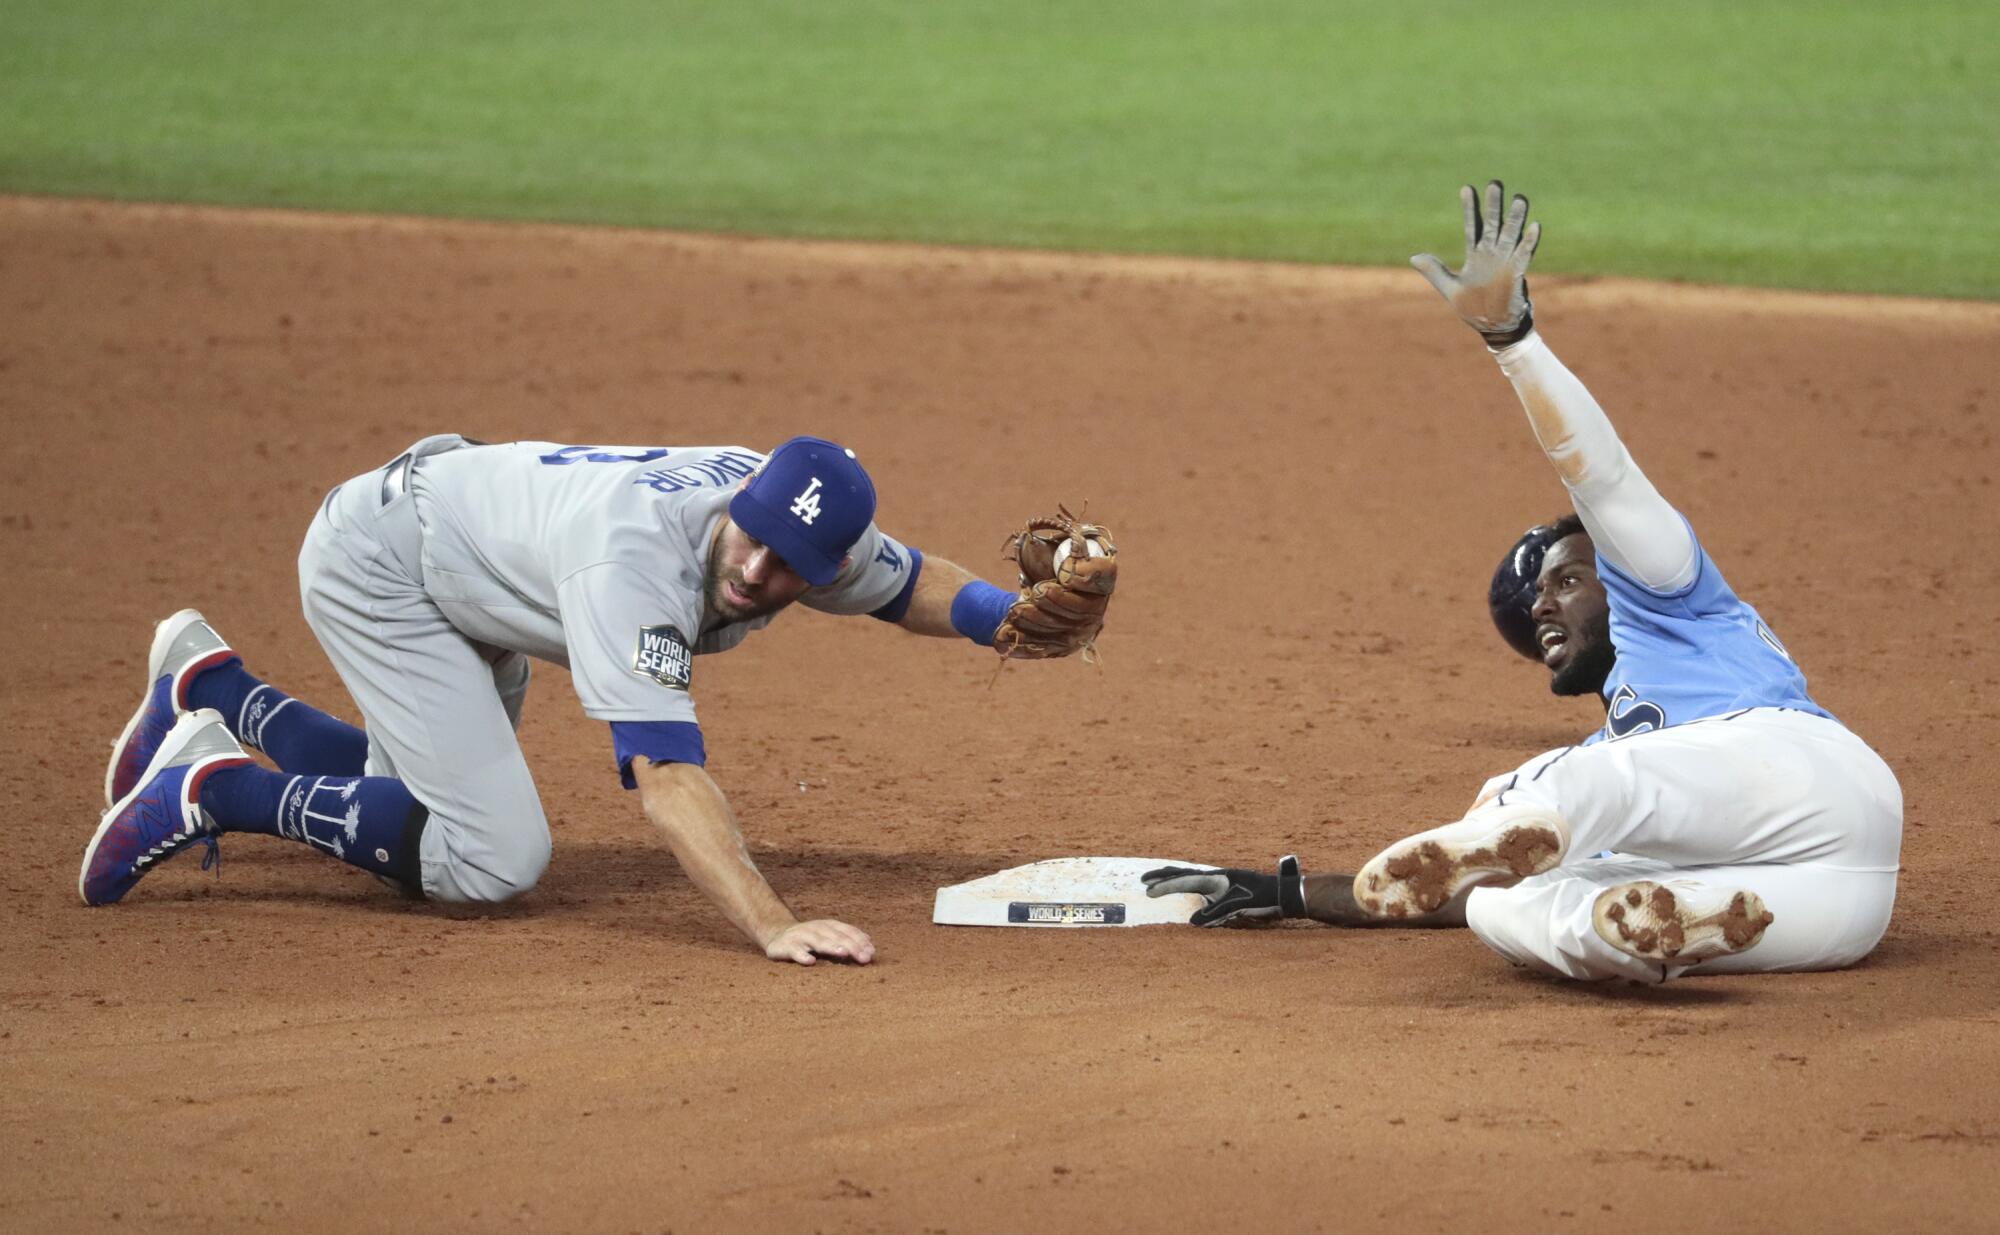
1720,818
432,582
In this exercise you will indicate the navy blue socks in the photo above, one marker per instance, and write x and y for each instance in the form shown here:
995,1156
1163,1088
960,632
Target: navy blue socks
367,821
321,798
297,736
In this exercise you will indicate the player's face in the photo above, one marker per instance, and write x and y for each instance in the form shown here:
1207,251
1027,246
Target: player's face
746,578
1572,618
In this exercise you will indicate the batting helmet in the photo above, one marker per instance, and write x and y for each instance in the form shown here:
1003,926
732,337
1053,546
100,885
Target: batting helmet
1512,594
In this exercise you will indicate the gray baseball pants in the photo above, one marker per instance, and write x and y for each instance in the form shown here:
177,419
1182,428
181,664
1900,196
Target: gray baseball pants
440,709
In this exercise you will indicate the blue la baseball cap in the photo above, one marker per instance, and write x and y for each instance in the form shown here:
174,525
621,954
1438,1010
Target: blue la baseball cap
810,502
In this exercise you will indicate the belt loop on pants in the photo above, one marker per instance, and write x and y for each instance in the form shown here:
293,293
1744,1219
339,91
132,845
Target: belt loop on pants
396,477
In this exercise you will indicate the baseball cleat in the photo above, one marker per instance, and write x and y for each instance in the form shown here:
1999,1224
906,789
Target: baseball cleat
183,646
1681,923
1493,847
162,814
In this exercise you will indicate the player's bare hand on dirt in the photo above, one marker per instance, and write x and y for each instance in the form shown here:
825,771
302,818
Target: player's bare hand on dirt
1490,292
1234,897
804,942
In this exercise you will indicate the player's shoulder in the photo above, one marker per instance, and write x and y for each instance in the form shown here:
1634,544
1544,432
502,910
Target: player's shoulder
1706,592
649,519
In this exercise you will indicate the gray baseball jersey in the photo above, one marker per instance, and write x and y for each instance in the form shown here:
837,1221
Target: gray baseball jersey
593,557
587,556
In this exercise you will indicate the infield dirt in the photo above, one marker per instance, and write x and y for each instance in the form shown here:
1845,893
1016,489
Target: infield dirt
1310,473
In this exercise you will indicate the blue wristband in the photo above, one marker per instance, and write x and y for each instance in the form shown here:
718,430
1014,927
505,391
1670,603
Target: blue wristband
978,610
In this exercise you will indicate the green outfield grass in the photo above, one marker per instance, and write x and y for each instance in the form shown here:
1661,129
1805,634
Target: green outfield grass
1837,144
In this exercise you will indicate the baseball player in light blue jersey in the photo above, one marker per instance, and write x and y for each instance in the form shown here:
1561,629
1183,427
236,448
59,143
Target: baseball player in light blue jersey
432,582
1720,820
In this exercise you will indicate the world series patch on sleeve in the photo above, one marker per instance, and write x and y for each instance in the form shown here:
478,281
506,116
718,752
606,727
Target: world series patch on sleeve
664,656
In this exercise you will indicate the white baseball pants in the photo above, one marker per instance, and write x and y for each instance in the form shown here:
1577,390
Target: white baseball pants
1791,806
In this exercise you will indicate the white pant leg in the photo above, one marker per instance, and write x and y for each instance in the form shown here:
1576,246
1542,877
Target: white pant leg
1790,805
436,717
1536,922
1761,786
1822,917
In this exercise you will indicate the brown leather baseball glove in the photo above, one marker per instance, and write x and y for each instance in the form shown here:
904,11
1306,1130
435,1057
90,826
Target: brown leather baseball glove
1068,570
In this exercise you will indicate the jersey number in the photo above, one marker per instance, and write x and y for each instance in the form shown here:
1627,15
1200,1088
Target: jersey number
566,455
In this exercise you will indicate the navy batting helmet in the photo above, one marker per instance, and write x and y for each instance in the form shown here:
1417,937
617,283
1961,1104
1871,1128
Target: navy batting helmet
1512,594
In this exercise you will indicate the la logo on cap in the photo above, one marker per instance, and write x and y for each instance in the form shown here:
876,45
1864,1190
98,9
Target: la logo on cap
806,505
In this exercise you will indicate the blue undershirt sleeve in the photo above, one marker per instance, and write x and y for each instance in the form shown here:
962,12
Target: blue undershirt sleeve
895,609
662,741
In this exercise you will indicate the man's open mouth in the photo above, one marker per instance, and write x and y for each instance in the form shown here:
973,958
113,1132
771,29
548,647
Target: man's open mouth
1553,640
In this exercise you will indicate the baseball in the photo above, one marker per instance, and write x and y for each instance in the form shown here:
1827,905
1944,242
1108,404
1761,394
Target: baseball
1063,550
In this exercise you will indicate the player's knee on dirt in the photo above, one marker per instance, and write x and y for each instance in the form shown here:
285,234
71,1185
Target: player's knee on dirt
475,867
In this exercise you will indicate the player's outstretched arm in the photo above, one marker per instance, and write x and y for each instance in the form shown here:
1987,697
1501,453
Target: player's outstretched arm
1232,897
1630,524
688,807
1330,899
1067,569
930,601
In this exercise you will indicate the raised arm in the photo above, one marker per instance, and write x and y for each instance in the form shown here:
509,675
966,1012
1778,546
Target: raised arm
689,809
1630,524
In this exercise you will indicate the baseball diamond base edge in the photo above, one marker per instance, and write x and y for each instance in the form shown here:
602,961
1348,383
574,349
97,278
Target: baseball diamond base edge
1066,892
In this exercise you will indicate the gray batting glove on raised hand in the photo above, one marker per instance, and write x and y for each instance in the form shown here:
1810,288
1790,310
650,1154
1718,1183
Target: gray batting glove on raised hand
1490,291
1234,896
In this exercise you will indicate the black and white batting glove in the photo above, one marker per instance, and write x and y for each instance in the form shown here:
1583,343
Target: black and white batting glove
1234,896
1490,292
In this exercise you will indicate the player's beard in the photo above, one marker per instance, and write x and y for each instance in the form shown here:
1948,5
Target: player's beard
715,605
1585,672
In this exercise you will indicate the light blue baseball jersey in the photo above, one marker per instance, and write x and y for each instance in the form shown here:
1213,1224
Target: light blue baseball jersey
1694,652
